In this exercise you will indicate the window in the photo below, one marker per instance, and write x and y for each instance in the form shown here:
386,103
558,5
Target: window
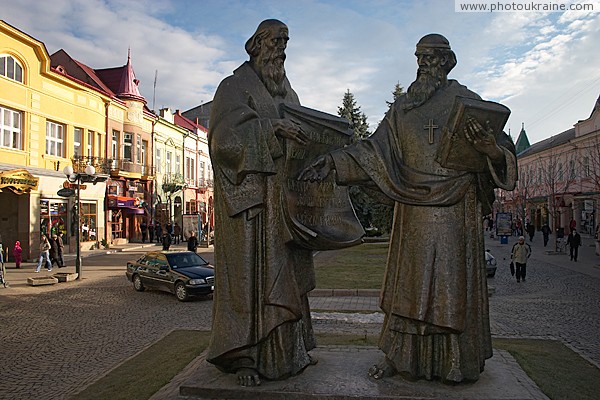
190,170
168,166
90,144
77,137
55,139
158,161
559,174
88,221
115,145
99,146
11,68
144,151
53,217
10,126
586,167
572,169
178,164
201,173
138,150
127,143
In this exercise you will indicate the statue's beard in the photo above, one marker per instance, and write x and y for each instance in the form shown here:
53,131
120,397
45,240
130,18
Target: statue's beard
272,72
422,89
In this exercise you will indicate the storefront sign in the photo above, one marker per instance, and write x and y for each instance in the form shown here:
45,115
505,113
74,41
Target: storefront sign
65,192
18,180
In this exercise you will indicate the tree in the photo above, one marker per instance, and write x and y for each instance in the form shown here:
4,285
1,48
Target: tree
172,183
397,92
556,175
358,120
374,211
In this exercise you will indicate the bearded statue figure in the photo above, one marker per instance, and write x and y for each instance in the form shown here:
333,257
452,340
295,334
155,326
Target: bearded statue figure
261,317
434,293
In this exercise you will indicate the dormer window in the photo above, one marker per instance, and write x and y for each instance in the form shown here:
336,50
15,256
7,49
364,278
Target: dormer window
11,68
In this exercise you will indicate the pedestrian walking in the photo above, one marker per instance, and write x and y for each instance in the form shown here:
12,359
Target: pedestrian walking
18,254
54,249
166,241
177,233
521,251
192,242
169,228
144,229
61,250
158,232
44,254
574,241
151,232
546,233
530,231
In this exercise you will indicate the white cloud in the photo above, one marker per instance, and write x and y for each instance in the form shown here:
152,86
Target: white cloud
542,65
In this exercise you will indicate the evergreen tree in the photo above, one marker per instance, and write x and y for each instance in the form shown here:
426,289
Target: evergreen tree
398,91
374,216
358,120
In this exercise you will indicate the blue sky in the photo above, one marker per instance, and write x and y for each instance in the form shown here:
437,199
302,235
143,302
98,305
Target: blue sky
543,66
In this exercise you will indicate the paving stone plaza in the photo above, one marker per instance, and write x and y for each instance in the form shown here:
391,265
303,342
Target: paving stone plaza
55,340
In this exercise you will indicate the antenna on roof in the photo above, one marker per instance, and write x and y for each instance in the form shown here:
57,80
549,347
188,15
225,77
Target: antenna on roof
154,91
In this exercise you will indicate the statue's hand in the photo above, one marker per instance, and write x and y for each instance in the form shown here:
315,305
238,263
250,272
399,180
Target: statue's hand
319,170
483,139
289,129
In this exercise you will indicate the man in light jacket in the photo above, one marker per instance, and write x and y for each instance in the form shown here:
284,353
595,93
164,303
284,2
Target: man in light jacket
521,251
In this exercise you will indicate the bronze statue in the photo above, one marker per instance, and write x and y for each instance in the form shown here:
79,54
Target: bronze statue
434,294
261,316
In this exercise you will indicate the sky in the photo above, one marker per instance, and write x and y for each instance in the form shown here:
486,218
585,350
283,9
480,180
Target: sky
545,66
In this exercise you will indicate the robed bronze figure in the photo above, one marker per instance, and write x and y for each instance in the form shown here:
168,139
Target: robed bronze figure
434,294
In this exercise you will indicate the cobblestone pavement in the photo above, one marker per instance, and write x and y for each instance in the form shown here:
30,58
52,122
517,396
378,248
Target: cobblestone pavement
56,340
560,299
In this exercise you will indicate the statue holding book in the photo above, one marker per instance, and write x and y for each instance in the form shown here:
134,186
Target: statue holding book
267,222
438,154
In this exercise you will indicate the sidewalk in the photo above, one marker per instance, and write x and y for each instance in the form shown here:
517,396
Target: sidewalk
587,263
17,278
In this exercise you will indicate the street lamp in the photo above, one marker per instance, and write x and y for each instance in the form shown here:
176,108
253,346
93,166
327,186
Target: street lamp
78,177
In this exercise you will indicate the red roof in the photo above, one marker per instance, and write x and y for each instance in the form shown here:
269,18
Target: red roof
187,123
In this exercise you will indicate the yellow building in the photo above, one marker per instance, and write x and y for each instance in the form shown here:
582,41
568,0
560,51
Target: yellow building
46,118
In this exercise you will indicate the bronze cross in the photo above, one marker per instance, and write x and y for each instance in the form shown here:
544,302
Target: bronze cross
431,127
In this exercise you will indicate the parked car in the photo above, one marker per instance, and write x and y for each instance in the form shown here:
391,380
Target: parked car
490,262
183,273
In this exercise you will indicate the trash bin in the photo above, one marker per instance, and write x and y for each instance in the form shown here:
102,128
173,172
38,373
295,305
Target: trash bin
503,239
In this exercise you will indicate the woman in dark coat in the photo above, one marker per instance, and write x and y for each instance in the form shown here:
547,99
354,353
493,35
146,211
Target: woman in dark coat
54,250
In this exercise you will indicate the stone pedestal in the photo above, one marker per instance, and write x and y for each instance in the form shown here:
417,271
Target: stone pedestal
341,373
66,276
41,280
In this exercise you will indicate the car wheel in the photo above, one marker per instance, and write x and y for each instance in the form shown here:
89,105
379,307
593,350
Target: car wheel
181,292
137,283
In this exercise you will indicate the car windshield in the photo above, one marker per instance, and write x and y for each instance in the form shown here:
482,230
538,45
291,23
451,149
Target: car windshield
185,260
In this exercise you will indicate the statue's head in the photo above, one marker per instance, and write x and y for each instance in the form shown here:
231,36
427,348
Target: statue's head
435,49
267,53
435,59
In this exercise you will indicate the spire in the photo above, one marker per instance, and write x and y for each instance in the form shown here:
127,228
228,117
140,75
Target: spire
128,87
522,140
596,106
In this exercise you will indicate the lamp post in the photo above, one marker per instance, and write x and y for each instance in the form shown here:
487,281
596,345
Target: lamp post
77,177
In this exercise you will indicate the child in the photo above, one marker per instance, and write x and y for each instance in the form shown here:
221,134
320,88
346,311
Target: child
17,251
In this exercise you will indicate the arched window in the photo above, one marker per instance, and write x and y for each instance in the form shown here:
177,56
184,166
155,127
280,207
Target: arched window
11,68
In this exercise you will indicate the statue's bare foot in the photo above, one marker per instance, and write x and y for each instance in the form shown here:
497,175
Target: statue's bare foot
382,370
312,360
248,377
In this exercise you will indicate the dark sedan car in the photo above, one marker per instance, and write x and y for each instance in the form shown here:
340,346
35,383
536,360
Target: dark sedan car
183,273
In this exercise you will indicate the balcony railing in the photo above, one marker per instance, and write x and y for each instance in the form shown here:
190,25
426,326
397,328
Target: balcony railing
101,165
128,166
